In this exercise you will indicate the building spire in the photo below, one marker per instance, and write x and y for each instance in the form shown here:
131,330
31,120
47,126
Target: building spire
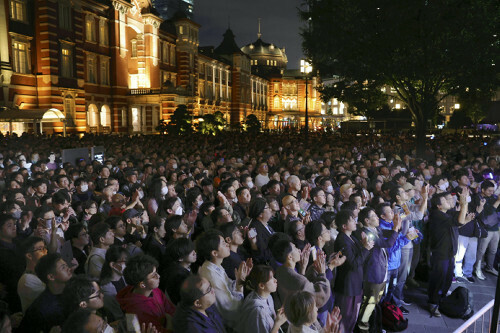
259,34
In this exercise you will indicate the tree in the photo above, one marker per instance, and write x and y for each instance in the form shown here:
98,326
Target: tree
212,123
459,120
475,103
180,121
252,124
425,50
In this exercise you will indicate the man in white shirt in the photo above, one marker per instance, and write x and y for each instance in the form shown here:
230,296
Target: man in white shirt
103,237
263,177
30,286
228,293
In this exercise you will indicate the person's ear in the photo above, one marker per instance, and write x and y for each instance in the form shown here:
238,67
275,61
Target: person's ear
197,303
261,286
83,305
214,253
155,229
51,277
142,285
228,240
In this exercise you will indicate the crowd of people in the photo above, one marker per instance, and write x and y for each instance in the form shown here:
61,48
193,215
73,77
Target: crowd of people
239,233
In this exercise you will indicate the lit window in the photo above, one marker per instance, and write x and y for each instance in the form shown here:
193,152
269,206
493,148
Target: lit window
90,29
136,125
398,106
69,107
65,15
104,71
276,102
18,10
66,61
103,33
20,52
91,77
335,110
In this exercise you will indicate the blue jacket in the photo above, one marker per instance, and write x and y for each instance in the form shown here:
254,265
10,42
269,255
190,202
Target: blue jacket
189,320
395,251
375,267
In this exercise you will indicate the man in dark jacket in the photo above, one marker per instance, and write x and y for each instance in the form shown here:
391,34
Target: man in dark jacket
443,230
197,312
375,267
349,280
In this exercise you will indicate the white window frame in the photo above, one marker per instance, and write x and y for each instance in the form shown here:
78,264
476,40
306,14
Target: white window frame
103,32
21,55
90,33
66,60
91,69
18,10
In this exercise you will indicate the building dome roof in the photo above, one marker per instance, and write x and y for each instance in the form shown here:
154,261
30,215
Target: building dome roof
261,49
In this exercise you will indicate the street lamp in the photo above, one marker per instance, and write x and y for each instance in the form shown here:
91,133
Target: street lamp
306,68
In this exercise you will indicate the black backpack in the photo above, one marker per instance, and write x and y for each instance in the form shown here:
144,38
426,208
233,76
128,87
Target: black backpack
458,304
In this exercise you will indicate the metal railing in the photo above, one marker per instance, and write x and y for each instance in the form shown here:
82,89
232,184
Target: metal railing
478,322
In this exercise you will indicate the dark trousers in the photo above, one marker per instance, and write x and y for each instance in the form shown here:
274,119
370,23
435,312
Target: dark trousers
440,278
349,309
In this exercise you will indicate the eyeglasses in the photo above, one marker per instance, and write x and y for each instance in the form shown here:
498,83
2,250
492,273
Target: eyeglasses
44,248
209,290
83,234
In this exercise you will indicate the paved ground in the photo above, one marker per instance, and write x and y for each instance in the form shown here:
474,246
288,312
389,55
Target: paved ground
419,319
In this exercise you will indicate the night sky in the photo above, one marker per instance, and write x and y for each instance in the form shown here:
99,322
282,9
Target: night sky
280,23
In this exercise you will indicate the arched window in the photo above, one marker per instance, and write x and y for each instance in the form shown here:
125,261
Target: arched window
105,116
92,115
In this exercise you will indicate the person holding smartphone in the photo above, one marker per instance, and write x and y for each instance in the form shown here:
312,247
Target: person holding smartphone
375,267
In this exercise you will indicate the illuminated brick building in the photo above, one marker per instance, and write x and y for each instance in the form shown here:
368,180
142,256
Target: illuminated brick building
114,66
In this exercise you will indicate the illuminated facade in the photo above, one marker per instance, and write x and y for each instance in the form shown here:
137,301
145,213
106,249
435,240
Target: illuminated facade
118,67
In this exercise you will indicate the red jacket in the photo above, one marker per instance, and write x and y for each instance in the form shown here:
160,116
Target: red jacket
150,309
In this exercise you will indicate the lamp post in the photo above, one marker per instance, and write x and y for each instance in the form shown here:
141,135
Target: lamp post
306,68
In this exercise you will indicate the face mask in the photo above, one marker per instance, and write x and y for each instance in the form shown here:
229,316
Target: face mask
178,211
469,199
164,190
16,214
329,189
174,166
235,200
75,177
114,192
109,166
403,169
141,194
438,163
199,203
454,184
250,184
444,186
287,176
84,188
427,177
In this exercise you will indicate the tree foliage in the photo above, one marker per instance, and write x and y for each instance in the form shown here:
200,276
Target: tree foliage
424,49
212,124
180,121
252,124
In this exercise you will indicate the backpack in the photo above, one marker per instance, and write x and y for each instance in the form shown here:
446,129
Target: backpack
375,321
392,318
458,304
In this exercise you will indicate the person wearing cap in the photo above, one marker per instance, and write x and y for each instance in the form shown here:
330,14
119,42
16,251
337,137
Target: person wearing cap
197,311
135,230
